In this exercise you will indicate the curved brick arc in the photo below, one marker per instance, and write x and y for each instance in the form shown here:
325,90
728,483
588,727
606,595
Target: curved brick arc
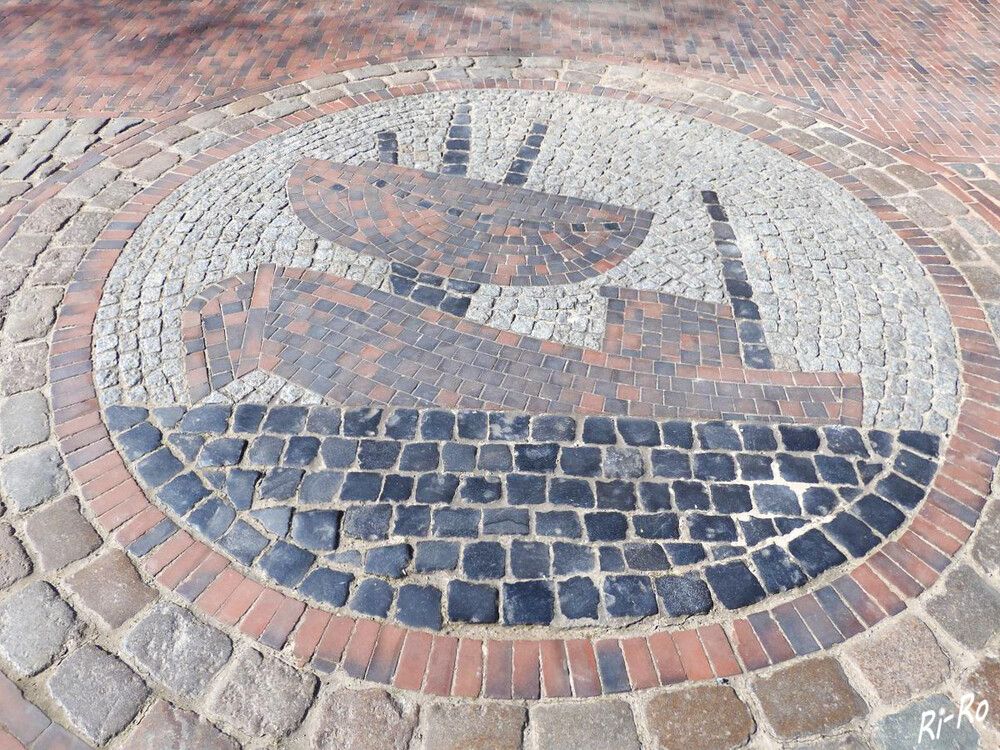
503,668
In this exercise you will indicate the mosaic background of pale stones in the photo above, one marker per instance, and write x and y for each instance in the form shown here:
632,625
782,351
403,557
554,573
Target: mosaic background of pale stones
837,290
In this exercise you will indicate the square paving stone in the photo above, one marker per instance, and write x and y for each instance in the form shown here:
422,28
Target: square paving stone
506,521
24,421
244,542
419,606
362,720
683,596
31,477
165,726
177,649
571,558
436,488
247,417
286,563
529,559
362,422
316,529
901,661
372,597
606,526
141,440
984,683
574,492
599,725
389,561
808,698
420,457
436,556
969,608
734,585
623,463
263,696
463,726
212,518
580,461
777,569
558,523
34,627
480,490
159,467
472,602
902,729
528,603
368,521
212,418
285,420
718,436
578,598
59,534
110,587
629,596
401,424
326,585
99,693
707,717
484,561
412,521
638,431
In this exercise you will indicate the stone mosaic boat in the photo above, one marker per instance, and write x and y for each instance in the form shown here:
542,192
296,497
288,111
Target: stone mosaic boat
463,228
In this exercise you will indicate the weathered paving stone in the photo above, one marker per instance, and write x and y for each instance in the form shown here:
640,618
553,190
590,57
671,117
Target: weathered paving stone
709,717
984,682
24,421
360,720
23,368
14,561
902,729
589,726
59,534
901,661
34,627
98,691
166,726
462,726
31,477
178,650
808,698
263,696
31,315
969,608
110,587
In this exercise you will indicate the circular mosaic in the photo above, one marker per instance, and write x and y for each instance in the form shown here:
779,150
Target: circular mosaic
524,358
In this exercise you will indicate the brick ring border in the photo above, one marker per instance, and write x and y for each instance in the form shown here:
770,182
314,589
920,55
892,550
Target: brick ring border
521,668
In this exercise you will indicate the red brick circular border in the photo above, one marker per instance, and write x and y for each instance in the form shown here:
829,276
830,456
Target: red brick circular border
522,668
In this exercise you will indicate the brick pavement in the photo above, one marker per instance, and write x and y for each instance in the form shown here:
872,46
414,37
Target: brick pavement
191,643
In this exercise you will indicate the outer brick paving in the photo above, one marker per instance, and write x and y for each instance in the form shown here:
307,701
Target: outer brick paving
432,644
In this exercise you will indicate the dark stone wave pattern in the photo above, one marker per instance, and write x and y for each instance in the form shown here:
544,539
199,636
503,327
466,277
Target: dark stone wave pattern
428,516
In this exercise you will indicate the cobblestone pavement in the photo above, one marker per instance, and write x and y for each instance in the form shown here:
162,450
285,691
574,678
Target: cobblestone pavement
634,389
